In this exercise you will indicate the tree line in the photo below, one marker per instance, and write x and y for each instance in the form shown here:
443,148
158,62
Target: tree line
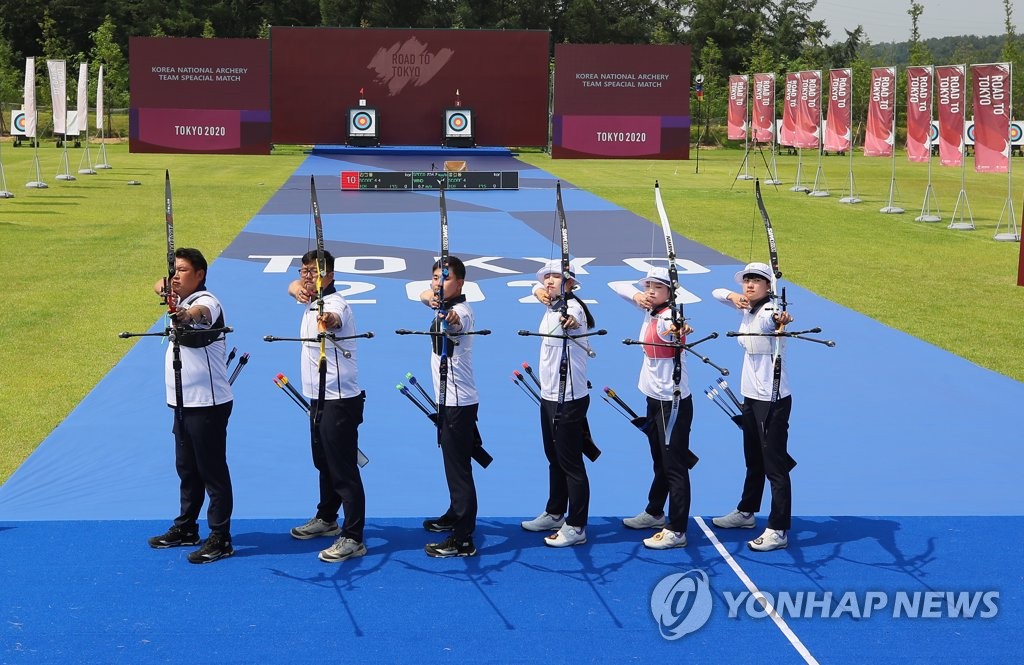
726,36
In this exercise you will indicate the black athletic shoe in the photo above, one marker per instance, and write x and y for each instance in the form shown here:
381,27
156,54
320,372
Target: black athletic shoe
215,547
176,536
451,546
439,524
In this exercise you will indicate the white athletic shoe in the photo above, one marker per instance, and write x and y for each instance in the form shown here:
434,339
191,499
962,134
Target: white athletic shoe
735,520
544,522
342,550
566,536
315,528
771,539
644,521
665,539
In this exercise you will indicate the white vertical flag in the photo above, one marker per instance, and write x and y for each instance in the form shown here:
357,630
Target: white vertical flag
29,105
58,94
99,100
82,117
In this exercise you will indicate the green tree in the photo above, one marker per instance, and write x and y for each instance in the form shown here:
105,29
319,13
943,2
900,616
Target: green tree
711,65
107,52
52,41
1012,54
795,37
919,53
841,54
729,24
11,77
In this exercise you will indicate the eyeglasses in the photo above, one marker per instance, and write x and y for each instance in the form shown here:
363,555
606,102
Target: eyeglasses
308,272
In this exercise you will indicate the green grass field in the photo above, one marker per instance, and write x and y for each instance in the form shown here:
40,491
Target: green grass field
78,260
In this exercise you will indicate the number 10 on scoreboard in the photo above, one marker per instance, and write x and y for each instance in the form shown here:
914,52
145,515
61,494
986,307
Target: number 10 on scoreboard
350,179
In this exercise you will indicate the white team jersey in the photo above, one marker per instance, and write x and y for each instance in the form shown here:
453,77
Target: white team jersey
551,355
758,364
342,373
460,388
656,371
204,375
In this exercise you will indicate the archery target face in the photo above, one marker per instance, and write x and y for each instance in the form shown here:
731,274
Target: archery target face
18,123
458,123
969,132
362,122
1016,133
933,134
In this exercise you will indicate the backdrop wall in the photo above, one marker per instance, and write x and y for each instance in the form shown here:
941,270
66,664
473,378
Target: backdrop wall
199,95
621,101
409,76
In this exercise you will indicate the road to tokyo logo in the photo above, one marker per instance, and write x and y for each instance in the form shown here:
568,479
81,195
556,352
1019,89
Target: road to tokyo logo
681,603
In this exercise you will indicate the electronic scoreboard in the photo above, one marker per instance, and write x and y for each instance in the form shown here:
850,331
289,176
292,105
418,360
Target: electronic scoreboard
427,180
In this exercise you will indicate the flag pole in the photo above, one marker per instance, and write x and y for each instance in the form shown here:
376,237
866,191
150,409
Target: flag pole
1012,234
929,193
890,208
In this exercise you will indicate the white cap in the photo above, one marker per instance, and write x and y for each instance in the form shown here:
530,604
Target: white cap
553,266
659,275
756,268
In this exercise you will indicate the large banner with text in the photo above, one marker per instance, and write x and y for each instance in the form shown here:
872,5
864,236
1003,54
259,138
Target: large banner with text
199,95
409,77
621,101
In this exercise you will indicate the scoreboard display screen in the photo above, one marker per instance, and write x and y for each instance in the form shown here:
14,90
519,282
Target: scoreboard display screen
428,180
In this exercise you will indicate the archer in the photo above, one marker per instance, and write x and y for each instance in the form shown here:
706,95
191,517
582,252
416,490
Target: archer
767,403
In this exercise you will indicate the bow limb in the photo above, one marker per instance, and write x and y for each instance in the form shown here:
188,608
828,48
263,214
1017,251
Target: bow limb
174,330
773,257
442,316
566,268
321,275
674,308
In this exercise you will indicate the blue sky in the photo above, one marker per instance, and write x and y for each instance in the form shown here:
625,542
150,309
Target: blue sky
887,20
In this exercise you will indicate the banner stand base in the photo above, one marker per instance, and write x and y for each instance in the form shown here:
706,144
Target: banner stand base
773,182
87,171
104,166
819,193
747,176
891,210
850,199
799,188
66,176
927,218
36,184
1006,237
961,226
6,195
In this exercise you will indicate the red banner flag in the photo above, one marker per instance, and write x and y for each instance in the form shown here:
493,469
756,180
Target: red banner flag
991,86
919,113
838,133
951,96
808,117
787,133
763,112
737,121
880,136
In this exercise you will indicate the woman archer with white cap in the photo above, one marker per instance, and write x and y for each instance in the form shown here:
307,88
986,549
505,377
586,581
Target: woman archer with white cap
671,458
563,416
765,423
